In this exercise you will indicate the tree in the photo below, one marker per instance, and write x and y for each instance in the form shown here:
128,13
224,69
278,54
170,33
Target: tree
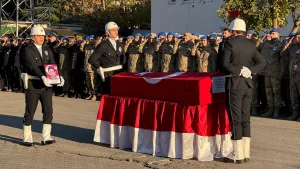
259,14
294,7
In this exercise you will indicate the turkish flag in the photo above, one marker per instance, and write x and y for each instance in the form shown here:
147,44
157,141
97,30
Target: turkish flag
183,87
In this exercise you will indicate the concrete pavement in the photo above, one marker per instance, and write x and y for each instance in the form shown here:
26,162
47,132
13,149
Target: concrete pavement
275,143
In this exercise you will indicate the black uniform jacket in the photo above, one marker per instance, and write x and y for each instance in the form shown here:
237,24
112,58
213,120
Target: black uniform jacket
239,52
106,56
34,64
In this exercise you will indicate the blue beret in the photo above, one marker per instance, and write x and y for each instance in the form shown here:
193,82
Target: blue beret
176,35
250,32
65,38
162,34
130,37
195,33
171,33
275,30
92,36
292,34
52,34
147,34
138,34
203,37
87,38
213,36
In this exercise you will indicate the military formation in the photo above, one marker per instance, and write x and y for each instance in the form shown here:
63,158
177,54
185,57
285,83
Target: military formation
275,88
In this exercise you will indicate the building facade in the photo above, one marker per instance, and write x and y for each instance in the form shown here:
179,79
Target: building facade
192,16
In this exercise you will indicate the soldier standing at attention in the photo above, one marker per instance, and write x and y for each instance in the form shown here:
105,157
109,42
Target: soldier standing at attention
239,55
109,58
292,57
271,50
34,57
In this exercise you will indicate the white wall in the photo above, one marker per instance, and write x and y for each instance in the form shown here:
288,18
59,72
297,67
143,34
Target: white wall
191,17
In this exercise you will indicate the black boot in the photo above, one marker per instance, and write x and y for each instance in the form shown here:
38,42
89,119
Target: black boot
294,116
276,113
254,110
263,109
269,113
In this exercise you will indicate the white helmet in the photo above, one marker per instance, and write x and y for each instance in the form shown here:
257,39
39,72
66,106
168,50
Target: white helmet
110,25
238,25
37,30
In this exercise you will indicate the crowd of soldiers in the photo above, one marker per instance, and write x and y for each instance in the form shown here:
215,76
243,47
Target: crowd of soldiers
275,88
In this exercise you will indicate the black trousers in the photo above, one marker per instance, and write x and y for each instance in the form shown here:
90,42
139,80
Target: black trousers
32,97
285,90
79,81
17,78
238,105
105,86
262,97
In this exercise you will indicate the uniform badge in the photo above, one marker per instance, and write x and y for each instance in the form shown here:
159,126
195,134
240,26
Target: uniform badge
295,67
120,49
298,51
46,53
274,48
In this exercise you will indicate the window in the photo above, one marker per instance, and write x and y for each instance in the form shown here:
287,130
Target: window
187,1
172,1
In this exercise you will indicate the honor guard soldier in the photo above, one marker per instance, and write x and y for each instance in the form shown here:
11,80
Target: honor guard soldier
241,60
37,86
109,57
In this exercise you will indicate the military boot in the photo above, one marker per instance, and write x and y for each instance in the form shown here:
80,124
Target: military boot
94,98
246,148
27,136
269,113
46,135
89,97
237,155
254,110
276,112
294,115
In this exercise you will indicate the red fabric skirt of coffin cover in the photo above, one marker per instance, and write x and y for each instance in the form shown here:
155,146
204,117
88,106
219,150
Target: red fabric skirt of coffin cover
190,88
204,120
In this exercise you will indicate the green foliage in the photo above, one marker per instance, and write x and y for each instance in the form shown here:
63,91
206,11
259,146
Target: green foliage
260,14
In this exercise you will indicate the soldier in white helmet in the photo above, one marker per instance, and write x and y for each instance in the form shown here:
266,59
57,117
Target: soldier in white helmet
241,60
38,88
109,57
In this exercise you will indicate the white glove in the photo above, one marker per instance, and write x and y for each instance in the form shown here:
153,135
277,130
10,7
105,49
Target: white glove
45,81
246,73
62,81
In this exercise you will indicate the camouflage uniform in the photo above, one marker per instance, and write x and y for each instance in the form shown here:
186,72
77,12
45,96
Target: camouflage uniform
150,56
292,61
135,61
65,66
168,60
88,50
271,50
285,77
206,59
185,61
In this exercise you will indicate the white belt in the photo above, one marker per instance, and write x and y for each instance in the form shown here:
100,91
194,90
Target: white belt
25,77
101,70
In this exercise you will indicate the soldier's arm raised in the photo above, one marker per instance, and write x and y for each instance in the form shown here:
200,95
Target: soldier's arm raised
158,45
141,47
194,49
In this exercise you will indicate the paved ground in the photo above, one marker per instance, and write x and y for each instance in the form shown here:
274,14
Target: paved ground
275,143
